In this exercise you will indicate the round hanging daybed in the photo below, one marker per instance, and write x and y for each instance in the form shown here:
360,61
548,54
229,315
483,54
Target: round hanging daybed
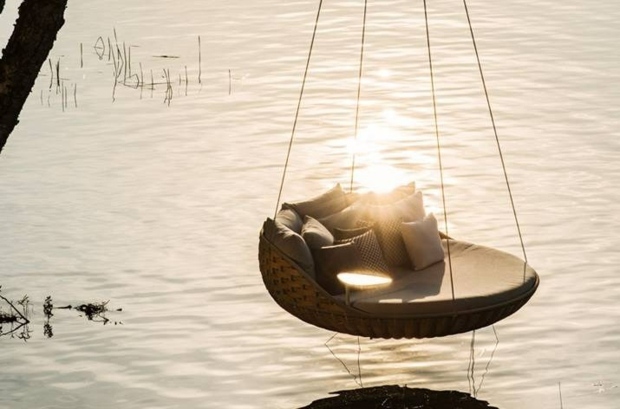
427,283
488,284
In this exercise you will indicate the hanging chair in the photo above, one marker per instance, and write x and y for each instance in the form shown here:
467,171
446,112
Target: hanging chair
424,283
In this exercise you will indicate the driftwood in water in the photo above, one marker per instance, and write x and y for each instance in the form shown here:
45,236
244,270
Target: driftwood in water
31,41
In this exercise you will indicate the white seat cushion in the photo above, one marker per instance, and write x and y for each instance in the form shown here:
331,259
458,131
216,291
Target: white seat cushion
483,277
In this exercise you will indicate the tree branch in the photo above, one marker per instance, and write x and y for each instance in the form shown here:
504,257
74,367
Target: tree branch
33,37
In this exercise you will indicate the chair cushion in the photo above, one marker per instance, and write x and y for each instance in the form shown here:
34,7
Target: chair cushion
483,277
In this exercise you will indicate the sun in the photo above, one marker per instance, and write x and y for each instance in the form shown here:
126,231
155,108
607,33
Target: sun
374,171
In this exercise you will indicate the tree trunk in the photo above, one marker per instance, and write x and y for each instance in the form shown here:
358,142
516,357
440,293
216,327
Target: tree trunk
33,37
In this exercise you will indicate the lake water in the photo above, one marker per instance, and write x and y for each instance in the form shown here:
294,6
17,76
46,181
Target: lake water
155,204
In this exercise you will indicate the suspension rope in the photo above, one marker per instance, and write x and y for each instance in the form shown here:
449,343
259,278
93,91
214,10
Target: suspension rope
359,90
499,148
443,193
301,94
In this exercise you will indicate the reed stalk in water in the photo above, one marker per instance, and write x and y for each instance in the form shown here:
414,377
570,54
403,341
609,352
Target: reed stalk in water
57,75
129,60
199,61
169,91
125,60
141,81
100,48
51,73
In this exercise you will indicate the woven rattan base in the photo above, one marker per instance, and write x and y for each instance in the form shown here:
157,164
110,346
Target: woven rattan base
296,292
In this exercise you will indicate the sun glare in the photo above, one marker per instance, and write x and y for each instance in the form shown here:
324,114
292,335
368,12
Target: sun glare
373,171
381,178
384,73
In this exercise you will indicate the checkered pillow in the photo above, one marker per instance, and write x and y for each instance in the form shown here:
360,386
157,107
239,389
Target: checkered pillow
391,241
371,256
387,219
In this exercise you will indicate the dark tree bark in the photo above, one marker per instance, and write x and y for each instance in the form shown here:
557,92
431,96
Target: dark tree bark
33,37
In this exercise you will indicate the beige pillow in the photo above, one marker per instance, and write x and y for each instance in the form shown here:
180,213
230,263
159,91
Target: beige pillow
422,242
410,208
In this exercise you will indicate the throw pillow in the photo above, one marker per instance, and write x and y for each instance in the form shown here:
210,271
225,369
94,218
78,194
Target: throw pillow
330,202
387,228
315,234
330,261
370,254
387,220
411,208
290,219
290,243
422,242
363,227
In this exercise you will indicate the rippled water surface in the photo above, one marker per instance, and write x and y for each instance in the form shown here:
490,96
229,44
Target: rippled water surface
155,204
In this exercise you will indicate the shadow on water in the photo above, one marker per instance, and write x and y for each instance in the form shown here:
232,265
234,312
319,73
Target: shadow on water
394,396
15,321
475,375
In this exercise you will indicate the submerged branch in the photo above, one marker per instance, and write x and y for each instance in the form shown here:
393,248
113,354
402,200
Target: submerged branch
14,309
